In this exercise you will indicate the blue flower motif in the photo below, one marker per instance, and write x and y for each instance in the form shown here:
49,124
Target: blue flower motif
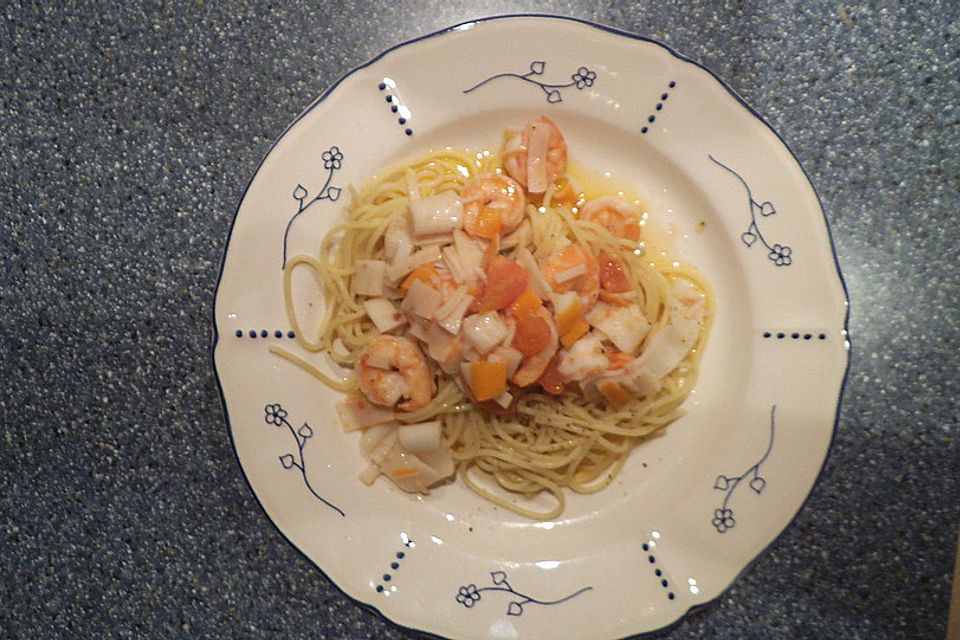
468,595
274,414
332,159
583,77
780,255
758,484
723,519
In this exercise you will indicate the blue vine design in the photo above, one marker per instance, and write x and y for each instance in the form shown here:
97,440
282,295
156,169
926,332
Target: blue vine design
332,162
583,77
723,519
276,415
780,254
469,595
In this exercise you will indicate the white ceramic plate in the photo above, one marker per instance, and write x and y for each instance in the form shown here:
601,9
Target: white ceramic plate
691,509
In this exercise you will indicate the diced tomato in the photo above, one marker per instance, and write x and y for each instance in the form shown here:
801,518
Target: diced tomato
528,303
568,316
506,281
551,379
532,335
487,224
576,331
614,392
613,274
424,272
488,379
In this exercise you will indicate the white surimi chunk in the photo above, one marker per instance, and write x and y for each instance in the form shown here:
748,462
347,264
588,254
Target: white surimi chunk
539,283
402,267
669,345
397,242
625,326
368,280
537,157
383,314
469,252
504,399
584,359
451,303
421,437
452,260
437,214
564,303
484,330
377,441
454,319
509,355
571,273
519,238
421,299
356,413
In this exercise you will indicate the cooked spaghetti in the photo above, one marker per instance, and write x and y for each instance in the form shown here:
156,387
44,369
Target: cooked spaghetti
494,320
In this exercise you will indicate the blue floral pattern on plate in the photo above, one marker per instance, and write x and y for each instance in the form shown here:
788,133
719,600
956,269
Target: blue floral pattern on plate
581,79
469,595
276,415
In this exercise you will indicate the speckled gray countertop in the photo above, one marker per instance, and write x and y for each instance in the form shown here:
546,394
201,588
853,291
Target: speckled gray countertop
127,137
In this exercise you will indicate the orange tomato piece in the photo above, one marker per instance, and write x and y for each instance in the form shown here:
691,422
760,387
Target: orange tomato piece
488,379
488,223
528,303
532,335
424,272
551,379
613,274
614,392
567,317
506,281
576,331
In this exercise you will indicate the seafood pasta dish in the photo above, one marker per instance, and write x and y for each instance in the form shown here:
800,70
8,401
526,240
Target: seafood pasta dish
499,321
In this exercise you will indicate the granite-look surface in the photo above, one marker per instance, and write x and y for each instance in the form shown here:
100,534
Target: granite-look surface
127,136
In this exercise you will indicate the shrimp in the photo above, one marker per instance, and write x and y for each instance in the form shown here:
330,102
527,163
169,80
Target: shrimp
517,160
616,215
573,269
391,368
533,366
492,204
